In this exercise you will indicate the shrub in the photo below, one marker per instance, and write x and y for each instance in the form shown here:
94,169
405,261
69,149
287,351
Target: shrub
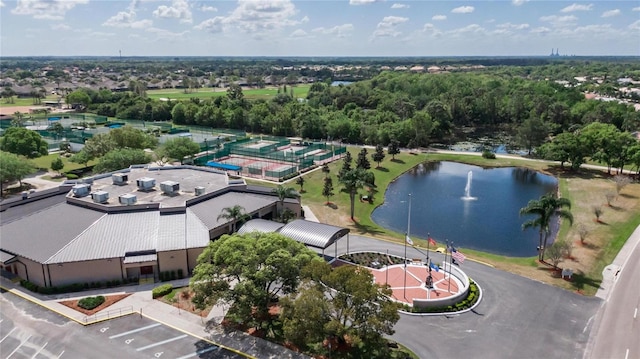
161,290
91,302
488,155
71,176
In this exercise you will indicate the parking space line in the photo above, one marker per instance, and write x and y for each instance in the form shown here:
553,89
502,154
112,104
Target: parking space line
200,352
60,354
162,342
135,331
39,350
18,347
5,337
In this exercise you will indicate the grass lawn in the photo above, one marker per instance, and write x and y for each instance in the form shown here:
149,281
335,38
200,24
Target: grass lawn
205,93
585,189
44,162
27,101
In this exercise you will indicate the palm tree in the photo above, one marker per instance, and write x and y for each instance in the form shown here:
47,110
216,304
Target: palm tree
354,180
544,210
235,214
284,192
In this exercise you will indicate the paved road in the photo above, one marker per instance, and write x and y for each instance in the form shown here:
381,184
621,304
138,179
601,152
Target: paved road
30,331
618,333
518,317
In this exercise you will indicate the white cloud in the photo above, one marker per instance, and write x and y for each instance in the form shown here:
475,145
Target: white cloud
636,9
61,27
635,25
46,9
1,3
206,8
518,2
560,21
439,17
611,13
577,7
255,16
510,26
166,34
128,18
388,26
338,31
299,33
541,30
362,2
463,10
469,29
399,6
179,9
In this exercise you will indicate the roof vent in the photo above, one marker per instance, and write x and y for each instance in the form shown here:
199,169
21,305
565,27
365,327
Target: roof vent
146,183
170,188
81,189
200,190
100,196
120,179
128,199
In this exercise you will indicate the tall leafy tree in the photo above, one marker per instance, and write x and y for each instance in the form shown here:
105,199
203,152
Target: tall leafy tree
13,168
180,147
354,180
23,142
378,156
346,164
99,145
57,165
327,189
236,214
248,272
284,192
532,133
543,211
121,158
300,182
326,170
131,137
394,148
363,161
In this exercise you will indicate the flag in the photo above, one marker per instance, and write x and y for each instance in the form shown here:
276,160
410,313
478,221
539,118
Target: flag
434,266
409,240
432,242
458,256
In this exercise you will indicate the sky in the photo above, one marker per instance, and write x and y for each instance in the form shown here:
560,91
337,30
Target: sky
318,28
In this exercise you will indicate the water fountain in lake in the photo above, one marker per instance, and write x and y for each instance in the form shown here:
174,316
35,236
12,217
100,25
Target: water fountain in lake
467,188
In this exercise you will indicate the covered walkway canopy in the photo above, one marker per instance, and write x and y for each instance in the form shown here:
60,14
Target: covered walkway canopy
312,234
224,166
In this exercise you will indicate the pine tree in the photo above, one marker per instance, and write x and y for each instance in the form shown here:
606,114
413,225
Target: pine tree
363,161
394,148
346,164
327,190
378,156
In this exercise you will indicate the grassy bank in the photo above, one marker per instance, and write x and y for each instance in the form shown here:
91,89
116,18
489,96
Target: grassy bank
585,189
299,91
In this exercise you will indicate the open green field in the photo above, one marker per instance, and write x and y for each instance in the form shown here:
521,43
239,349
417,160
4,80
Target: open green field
44,162
26,101
299,91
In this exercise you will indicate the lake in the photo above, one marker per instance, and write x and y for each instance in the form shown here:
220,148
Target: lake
489,222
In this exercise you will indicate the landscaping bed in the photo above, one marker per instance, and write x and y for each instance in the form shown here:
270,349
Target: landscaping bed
108,301
181,299
371,259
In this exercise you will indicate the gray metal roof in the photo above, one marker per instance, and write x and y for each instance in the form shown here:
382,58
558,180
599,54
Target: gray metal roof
140,259
42,234
208,211
6,257
260,225
313,234
171,232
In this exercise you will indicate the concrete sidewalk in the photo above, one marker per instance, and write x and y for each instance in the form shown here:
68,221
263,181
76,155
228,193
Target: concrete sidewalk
611,272
140,302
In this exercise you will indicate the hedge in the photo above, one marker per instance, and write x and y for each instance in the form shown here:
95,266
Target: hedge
162,290
91,302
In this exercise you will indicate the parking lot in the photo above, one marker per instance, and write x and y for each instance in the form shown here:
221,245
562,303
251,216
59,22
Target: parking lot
28,331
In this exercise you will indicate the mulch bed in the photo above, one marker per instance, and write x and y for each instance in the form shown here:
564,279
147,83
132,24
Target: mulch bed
109,300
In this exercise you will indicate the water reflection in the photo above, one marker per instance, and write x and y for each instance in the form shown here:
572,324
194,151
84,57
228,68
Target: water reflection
491,223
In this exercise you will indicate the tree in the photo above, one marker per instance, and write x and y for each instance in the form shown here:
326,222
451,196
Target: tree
597,211
532,133
610,196
7,93
180,147
131,137
57,164
99,145
300,182
555,253
363,161
13,168
349,305
284,192
583,232
17,120
327,190
24,142
566,147
326,170
82,157
378,156
236,214
121,158
394,148
248,272
544,210
346,164
79,97
352,181
621,182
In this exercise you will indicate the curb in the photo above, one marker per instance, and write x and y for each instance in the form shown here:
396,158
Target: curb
445,314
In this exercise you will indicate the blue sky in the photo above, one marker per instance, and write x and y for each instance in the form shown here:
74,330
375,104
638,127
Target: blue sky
317,28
